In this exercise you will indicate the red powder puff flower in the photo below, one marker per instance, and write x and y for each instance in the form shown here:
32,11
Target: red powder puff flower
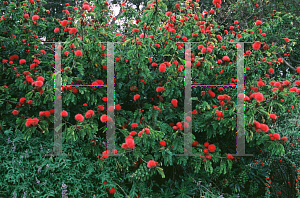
30,102
147,130
273,116
211,148
276,136
118,107
135,30
208,156
136,97
226,58
103,118
298,70
104,99
105,154
89,114
263,34
35,17
195,143
47,113
112,190
140,133
132,133
101,107
286,39
56,30
259,97
212,94
64,23
22,100
162,143
15,112
134,125
79,117
256,45
78,53
40,78
162,67
64,113
229,156
72,31
264,127
258,22
205,150
174,102
26,16
130,143
206,144
39,83
22,61
151,163
248,52
260,84
124,146
271,70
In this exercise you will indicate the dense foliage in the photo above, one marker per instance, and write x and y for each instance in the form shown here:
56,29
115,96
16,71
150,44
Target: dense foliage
149,102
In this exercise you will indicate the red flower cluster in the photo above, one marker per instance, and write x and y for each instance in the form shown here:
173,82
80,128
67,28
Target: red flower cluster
30,122
263,127
152,163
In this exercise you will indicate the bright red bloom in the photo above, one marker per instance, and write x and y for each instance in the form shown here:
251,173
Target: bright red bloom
64,113
226,58
79,117
135,30
258,22
103,118
56,30
22,100
112,190
118,107
151,163
64,23
26,16
264,127
78,53
260,83
273,116
136,97
276,136
162,143
22,61
134,125
174,102
206,144
130,143
124,146
15,112
195,143
35,17
89,114
162,67
259,97
256,45
229,156
211,148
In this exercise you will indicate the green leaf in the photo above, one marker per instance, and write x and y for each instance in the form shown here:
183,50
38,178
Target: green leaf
160,171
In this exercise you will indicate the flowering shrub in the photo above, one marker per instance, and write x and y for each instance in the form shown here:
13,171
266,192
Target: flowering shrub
149,89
